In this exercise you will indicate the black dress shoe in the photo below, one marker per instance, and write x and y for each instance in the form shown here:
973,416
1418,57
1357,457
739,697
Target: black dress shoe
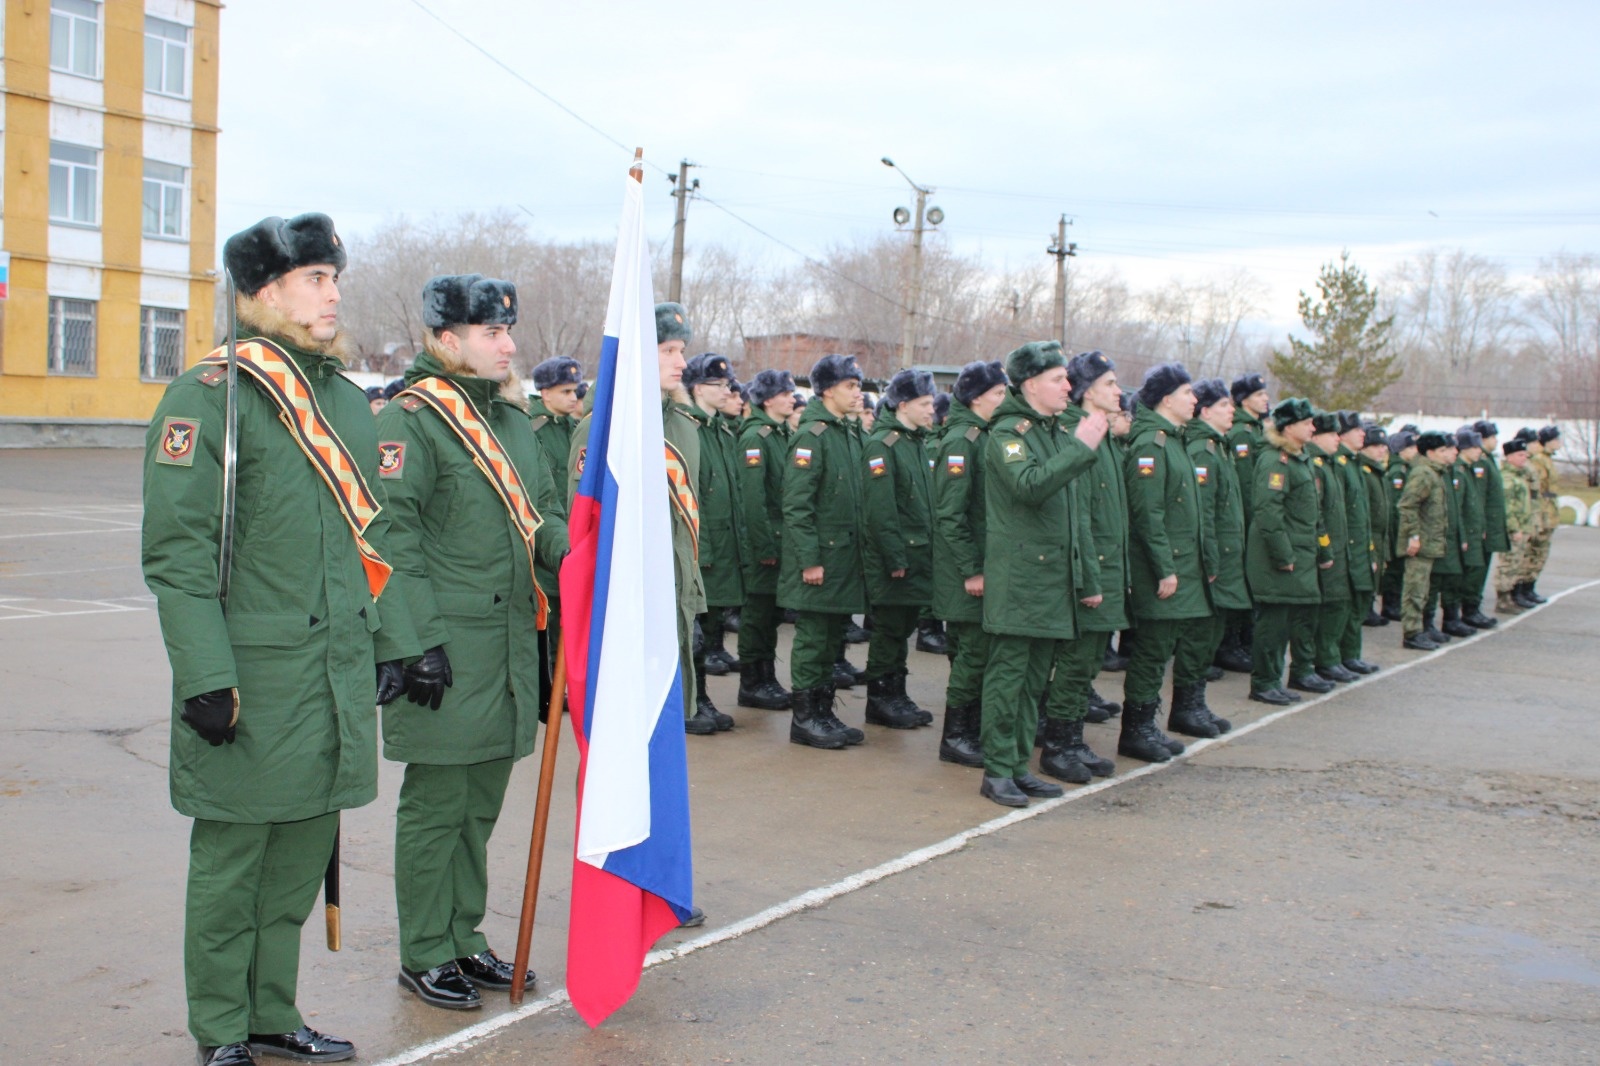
305,1044
1277,697
1311,683
1003,791
1361,666
1337,673
225,1055
1373,619
1419,642
700,724
1038,788
696,919
488,970
443,986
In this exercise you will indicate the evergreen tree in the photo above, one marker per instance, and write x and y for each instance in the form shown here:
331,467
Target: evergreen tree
1350,363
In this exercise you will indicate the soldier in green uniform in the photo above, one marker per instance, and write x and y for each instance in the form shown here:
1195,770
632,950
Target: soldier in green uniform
1496,538
897,548
763,456
273,687
554,414
1313,675
1222,539
1373,459
1032,561
1099,503
821,568
960,523
707,378
1251,406
1444,588
930,630
467,573
1517,483
1423,531
1473,474
1169,587
1285,547
1402,452
1360,546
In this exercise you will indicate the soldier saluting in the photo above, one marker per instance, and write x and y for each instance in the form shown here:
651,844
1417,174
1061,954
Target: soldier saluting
275,652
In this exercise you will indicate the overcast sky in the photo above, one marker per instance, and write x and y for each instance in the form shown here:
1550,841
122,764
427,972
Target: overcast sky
1181,138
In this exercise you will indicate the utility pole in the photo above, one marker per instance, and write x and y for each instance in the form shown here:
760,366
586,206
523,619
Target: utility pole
1061,249
681,192
932,216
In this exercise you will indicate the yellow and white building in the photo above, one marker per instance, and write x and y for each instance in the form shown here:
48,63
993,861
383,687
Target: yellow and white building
107,204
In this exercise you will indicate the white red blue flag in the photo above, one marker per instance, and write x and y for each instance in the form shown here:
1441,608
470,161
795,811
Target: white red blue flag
632,873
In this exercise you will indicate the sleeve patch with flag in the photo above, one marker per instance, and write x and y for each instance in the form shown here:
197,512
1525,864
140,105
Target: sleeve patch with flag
875,464
1275,480
955,465
391,459
752,457
1399,482
802,457
1200,474
1147,466
1242,449
178,436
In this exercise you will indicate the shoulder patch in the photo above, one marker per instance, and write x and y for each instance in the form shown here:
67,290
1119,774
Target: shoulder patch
1014,452
214,376
583,454
1275,480
764,432
1147,465
891,438
391,459
973,433
752,457
1161,438
1202,474
1022,426
802,457
1242,449
876,466
540,422
818,428
1211,446
955,465
178,438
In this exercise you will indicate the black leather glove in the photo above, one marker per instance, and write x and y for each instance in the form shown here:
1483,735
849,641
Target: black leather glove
212,715
428,677
391,681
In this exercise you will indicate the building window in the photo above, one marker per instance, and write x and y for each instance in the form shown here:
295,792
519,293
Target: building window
163,199
160,343
166,56
71,336
75,37
74,183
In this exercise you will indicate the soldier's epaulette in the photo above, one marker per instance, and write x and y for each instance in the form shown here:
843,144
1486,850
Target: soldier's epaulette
1317,459
1022,426
818,428
410,403
891,438
764,431
1211,446
973,433
540,422
1161,438
214,376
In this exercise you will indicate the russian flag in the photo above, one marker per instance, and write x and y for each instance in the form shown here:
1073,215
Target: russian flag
632,873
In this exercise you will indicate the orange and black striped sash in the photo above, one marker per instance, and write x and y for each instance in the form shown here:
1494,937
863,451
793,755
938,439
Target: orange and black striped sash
286,385
453,406
683,498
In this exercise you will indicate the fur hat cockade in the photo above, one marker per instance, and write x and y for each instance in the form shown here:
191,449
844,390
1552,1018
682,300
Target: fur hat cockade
557,371
672,324
1325,422
271,248
1291,410
1433,440
375,392
907,385
1467,437
1162,381
1033,359
1208,392
768,384
832,369
1549,433
977,378
1486,428
707,367
1513,446
1373,435
468,300
1246,385
1086,368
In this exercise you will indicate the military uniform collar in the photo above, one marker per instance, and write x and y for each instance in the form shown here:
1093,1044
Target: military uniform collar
313,364
481,391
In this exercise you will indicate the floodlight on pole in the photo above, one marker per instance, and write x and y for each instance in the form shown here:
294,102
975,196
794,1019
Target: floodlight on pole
925,215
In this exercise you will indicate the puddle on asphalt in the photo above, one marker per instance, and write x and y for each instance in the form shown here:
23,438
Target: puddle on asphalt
1529,957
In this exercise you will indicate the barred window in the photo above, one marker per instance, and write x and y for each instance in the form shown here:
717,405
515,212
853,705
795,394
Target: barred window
164,189
160,343
74,183
166,56
71,336
75,37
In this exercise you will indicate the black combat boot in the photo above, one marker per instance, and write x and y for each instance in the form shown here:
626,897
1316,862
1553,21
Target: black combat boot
1232,655
930,636
1111,707
758,687
1003,791
1420,642
1274,697
703,704
1222,724
812,725
829,706
1453,623
1075,744
1434,633
731,619
1140,738
908,704
1391,609
1374,620
960,743
1188,715
1519,596
1057,760
845,675
1532,593
1338,673
719,661
1473,616
883,708
854,634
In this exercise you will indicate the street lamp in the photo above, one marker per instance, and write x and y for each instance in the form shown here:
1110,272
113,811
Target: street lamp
932,216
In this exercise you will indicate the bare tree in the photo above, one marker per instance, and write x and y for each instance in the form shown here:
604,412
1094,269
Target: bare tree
1202,324
1456,318
1566,304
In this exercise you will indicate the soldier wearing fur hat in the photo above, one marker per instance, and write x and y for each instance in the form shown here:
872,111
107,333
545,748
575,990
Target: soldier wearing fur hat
821,568
1541,450
1463,607
960,521
1423,531
278,644
1497,537
554,415
1402,452
898,542
763,452
1518,485
1372,459
1286,547
1318,675
1361,549
1032,559
1252,404
457,445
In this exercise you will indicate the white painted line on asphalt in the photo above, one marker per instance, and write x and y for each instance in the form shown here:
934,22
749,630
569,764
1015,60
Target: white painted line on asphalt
68,533
58,573
473,1034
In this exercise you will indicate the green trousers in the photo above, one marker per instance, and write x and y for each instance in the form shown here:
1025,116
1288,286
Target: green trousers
892,626
1018,671
1197,645
1153,647
1350,642
441,862
1414,594
758,628
1332,619
686,659
251,888
1077,663
967,647
1472,582
1280,628
818,635
1394,579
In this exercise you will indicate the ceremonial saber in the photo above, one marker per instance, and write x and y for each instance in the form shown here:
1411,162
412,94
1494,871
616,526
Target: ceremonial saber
330,894
230,447
541,821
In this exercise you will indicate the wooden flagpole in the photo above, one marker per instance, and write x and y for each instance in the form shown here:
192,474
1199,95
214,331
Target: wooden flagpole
541,822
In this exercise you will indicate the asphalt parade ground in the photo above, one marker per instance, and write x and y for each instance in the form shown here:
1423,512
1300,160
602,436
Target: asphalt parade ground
1401,872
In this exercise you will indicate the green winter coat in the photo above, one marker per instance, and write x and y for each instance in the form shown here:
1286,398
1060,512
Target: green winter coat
1518,496
1453,561
1222,514
1494,507
1102,496
1032,551
1286,527
463,569
960,514
1375,482
554,434
1245,440
721,516
1361,554
1473,484
301,635
1395,477
1424,509
898,508
822,514
1335,526
1164,521
763,454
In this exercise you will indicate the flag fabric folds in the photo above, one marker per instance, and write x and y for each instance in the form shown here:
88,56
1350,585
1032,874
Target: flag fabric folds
632,872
